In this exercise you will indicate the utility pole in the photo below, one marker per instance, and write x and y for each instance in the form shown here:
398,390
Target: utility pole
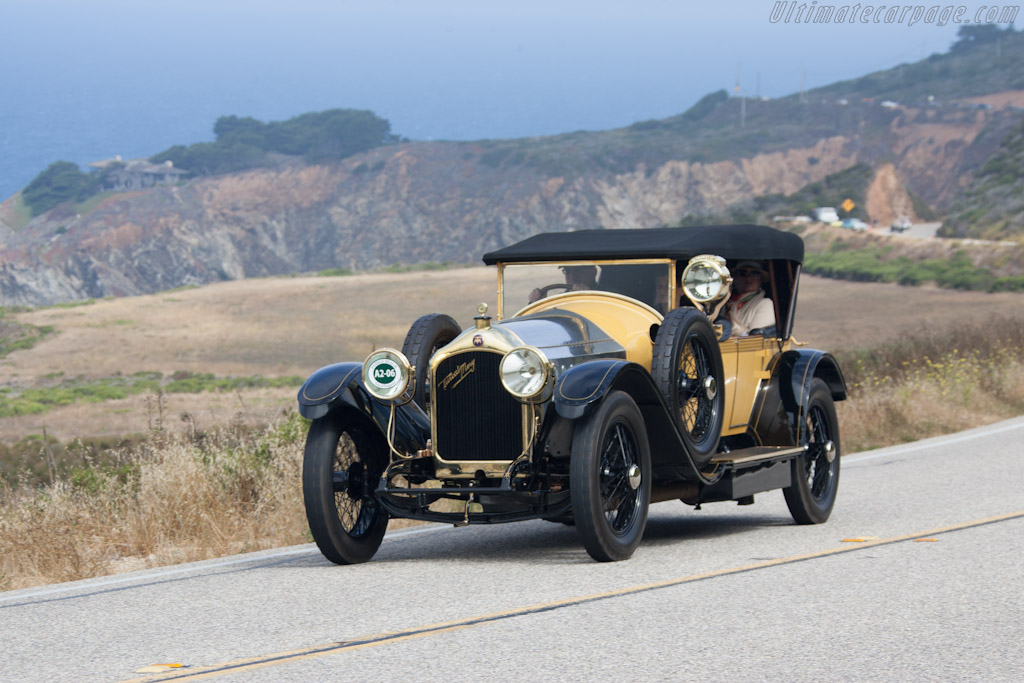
739,93
802,100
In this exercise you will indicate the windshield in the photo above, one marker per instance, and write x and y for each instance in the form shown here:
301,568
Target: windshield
523,284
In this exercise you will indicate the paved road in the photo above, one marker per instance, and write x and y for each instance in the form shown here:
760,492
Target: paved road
726,593
918,230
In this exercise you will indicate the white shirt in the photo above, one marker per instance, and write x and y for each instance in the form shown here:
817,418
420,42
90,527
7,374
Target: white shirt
751,314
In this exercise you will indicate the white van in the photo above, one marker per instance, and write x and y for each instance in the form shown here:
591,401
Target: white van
826,214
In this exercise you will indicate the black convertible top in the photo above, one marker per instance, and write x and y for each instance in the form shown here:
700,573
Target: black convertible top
727,241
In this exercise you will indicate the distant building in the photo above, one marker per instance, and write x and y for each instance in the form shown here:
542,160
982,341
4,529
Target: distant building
135,174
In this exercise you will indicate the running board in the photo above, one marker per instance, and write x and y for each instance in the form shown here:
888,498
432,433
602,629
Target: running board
752,457
751,470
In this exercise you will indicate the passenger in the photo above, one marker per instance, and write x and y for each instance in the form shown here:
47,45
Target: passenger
749,310
661,295
577,279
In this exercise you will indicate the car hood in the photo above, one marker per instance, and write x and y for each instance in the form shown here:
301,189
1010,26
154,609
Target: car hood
566,338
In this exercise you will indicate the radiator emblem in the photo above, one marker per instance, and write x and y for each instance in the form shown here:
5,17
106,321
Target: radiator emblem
455,377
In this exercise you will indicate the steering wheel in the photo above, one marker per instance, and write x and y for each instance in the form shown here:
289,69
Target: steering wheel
544,291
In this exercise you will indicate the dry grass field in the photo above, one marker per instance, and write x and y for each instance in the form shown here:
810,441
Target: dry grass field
216,473
290,326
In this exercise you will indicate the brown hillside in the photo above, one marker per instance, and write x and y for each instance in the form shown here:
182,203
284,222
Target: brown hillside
454,201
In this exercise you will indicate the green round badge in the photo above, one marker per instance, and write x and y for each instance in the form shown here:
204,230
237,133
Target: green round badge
384,373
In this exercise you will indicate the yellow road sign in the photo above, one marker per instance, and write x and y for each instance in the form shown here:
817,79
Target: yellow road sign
847,205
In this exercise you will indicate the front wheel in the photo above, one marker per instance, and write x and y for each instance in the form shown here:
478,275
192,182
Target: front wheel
342,464
812,494
610,478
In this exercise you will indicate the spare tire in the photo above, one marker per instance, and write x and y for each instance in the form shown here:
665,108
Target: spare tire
687,369
429,333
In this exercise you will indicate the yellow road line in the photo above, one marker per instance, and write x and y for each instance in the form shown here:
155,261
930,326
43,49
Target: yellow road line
275,659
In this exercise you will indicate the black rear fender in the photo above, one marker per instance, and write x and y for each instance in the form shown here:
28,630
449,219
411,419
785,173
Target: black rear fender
799,367
340,387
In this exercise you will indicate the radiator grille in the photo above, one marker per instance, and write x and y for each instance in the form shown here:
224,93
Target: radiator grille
474,417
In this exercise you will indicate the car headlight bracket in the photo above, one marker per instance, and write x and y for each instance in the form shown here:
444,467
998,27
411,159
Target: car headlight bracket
387,374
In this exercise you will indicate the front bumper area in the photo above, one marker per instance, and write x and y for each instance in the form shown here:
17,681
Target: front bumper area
484,504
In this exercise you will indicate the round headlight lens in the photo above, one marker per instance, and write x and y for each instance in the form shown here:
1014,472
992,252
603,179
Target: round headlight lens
524,371
705,278
386,374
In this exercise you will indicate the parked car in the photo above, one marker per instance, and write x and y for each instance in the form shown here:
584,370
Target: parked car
604,382
855,224
901,224
826,214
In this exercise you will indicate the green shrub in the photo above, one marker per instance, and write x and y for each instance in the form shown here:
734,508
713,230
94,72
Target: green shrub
318,137
62,181
35,400
957,272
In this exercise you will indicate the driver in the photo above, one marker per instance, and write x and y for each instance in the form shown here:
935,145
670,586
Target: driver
748,308
577,279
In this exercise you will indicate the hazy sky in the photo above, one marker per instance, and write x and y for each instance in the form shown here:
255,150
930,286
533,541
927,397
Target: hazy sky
89,79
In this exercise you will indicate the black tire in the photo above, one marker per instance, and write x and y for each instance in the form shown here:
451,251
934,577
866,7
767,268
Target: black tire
609,449
812,494
687,369
428,334
343,462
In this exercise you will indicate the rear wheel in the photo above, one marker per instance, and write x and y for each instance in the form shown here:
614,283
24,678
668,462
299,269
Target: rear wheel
812,494
428,334
342,465
687,369
610,478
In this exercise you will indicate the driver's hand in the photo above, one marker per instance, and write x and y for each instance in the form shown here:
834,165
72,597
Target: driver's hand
535,295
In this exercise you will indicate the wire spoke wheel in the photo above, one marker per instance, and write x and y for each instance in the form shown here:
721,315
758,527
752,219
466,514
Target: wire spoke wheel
621,500
342,464
815,474
353,488
818,472
610,480
687,369
696,407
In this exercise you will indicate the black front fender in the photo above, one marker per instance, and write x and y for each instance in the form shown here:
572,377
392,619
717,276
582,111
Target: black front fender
324,386
585,385
340,387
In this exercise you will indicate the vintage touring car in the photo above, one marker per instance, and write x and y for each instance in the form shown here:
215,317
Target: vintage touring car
607,380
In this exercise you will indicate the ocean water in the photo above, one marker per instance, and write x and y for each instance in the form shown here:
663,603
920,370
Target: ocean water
87,81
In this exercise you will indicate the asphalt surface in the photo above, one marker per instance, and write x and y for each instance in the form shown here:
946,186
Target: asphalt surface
917,576
918,230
